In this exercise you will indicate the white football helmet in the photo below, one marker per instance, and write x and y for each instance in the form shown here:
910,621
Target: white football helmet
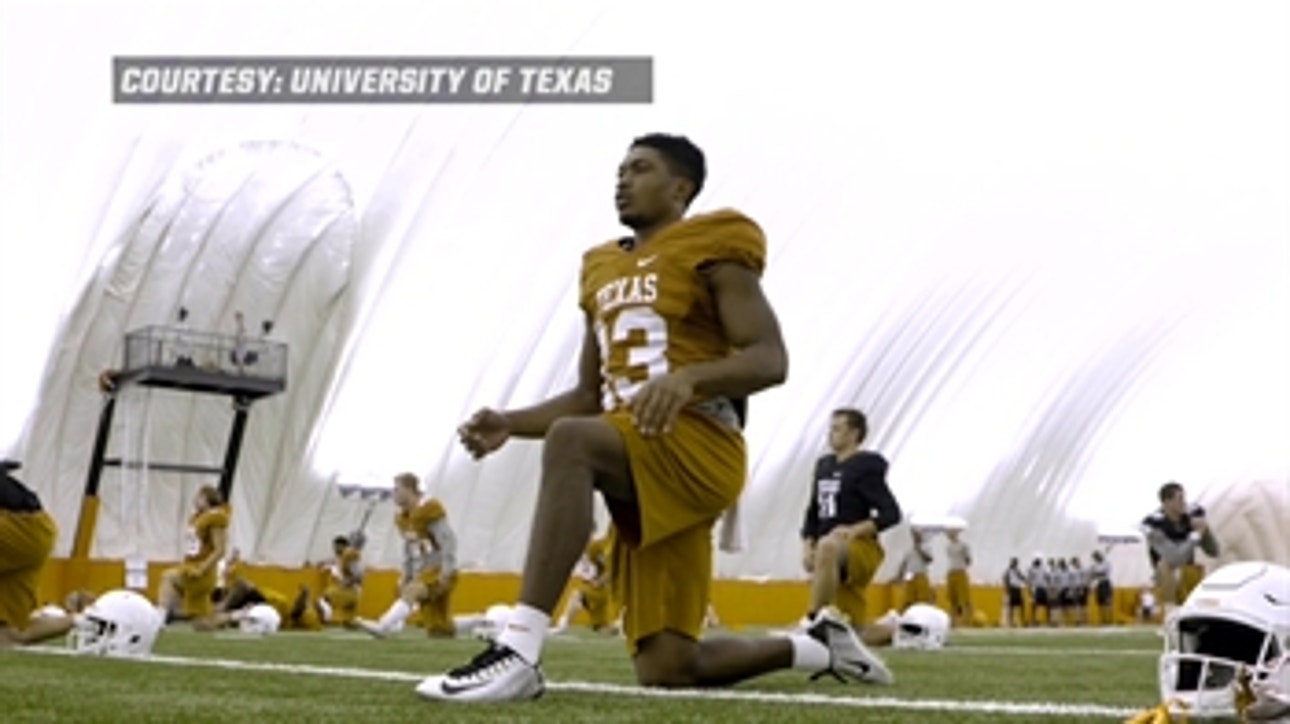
1238,617
494,621
921,627
119,624
260,619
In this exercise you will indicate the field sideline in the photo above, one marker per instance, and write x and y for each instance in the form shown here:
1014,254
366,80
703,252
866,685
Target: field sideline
986,675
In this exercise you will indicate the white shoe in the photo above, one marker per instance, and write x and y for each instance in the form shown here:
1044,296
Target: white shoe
890,619
848,657
497,674
372,627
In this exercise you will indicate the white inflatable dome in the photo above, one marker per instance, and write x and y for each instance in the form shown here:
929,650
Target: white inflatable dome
1251,521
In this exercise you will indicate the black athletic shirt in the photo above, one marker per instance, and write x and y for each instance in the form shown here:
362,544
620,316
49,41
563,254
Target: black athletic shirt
848,492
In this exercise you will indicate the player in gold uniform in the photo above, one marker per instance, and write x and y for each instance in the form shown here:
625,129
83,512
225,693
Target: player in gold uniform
27,536
958,585
677,329
591,590
193,581
429,564
344,581
301,612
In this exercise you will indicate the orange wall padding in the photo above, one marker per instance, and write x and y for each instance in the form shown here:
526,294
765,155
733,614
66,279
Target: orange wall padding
738,603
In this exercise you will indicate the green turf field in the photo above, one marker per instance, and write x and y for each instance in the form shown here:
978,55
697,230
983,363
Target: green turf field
985,676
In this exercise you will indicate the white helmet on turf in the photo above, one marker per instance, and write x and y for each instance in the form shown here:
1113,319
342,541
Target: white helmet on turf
1237,618
119,623
260,619
494,621
922,627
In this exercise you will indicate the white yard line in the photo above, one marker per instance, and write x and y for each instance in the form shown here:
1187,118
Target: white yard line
761,697
1045,651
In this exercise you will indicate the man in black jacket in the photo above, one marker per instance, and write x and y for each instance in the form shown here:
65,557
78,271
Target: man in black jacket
1174,531
850,505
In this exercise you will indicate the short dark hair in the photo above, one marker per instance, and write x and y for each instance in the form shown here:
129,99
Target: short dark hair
211,495
855,420
1169,490
340,540
683,158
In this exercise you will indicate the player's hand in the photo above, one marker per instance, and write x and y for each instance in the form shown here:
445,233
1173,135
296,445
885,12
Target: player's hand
1199,525
656,406
484,432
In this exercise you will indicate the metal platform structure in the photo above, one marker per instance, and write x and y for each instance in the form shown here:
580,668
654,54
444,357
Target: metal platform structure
242,368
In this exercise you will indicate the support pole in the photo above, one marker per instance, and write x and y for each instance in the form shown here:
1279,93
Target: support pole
78,565
241,408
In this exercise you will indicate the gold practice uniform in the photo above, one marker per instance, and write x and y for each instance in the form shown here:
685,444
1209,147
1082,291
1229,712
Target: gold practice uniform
425,566
344,579
653,312
842,494
199,544
918,587
27,536
957,583
285,605
596,596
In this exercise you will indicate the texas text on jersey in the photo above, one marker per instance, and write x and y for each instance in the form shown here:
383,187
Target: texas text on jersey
651,307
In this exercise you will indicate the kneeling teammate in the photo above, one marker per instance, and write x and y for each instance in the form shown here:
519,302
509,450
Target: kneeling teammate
194,581
663,444
850,505
27,535
429,564
344,579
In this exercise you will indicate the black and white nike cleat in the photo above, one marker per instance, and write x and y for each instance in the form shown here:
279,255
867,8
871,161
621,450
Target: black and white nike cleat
849,659
496,674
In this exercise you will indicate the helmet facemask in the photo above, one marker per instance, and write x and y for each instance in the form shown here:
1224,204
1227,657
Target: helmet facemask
98,636
1205,655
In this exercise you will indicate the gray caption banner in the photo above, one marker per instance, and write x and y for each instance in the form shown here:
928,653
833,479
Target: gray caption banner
382,80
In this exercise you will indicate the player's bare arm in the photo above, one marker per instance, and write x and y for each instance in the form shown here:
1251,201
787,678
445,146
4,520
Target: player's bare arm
489,429
760,359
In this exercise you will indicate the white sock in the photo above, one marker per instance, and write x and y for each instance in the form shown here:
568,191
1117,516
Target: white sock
525,631
809,654
395,616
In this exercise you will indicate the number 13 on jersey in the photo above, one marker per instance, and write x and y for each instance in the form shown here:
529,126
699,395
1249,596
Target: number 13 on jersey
640,336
